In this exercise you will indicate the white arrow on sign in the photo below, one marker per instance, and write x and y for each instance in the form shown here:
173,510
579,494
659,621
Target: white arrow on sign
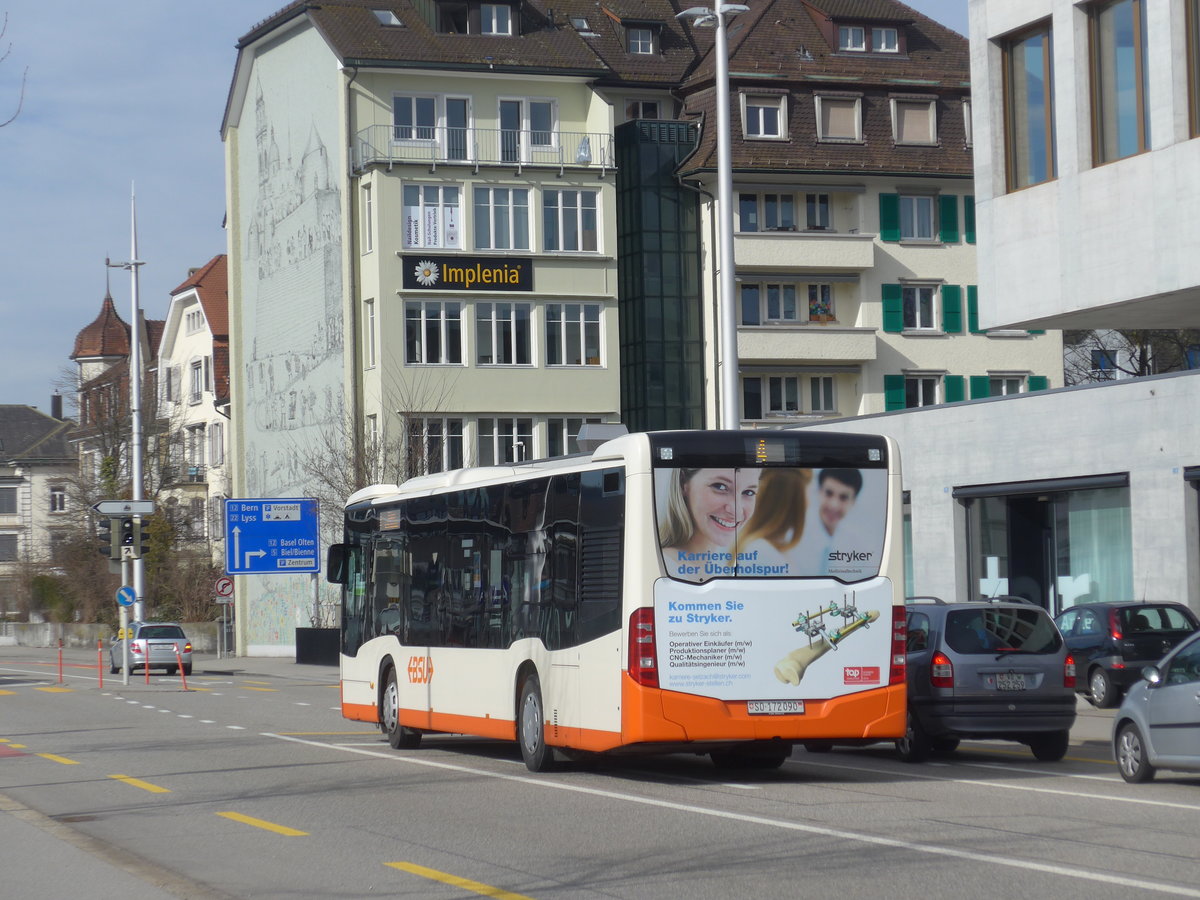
237,544
125,507
250,553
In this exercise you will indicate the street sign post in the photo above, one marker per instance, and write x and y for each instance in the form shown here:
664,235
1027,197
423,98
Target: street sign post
126,596
271,536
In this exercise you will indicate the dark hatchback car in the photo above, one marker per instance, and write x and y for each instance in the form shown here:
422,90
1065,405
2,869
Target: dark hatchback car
1113,641
986,669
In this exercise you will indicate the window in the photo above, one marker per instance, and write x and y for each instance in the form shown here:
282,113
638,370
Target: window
194,322
770,395
386,17
1104,365
495,18
216,444
919,308
414,118
816,212
8,548
505,440
1029,109
821,396
569,220
58,499
920,390
196,380
913,121
501,218
839,118
573,334
433,332
641,109
765,303
820,303
562,435
439,443
916,218
1192,10
1120,113
967,127
885,40
1003,385
368,219
502,334
8,501
368,334
763,116
431,216
526,127
195,445
852,37
766,212
640,39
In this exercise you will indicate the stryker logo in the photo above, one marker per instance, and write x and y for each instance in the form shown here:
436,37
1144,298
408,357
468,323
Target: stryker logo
855,556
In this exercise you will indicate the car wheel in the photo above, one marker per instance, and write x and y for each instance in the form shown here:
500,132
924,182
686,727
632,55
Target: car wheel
945,745
818,746
1132,755
1101,691
531,727
1050,747
915,746
113,670
399,736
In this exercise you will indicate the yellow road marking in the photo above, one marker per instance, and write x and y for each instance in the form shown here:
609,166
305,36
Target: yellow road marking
260,823
258,682
144,785
446,878
18,746
55,690
7,693
59,759
268,690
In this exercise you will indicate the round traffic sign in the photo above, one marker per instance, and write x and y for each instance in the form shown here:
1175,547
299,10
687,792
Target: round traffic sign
224,586
126,596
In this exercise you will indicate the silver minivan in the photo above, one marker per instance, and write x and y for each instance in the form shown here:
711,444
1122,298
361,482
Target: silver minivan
986,669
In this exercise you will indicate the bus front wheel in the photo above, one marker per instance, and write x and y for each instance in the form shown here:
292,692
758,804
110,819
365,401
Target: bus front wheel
399,736
531,727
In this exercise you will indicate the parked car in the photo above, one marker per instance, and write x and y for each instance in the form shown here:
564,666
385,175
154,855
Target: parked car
1111,642
152,645
1158,724
986,669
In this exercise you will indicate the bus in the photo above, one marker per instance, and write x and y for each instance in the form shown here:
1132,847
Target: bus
729,593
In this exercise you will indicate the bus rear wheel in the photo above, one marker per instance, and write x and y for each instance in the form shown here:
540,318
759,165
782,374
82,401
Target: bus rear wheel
399,736
531,727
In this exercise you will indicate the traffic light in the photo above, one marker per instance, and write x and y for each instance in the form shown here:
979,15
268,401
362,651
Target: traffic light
141,539
126,535
106,544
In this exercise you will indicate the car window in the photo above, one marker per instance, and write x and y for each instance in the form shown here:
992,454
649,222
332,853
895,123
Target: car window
1067,620
1089,623
918,632
1024,630
1185,666
161,631
1156,618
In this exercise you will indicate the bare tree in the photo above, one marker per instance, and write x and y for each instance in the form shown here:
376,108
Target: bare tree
1091,356
24,75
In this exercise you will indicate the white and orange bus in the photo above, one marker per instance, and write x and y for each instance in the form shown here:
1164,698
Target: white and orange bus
719,592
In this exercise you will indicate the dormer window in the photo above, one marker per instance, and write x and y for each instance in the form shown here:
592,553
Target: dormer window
386,17
495,18
863,39
640,39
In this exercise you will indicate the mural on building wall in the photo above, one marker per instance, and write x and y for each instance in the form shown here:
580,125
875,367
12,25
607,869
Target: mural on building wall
292,317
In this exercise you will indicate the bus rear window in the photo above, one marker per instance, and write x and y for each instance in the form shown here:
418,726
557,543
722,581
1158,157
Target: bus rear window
770,522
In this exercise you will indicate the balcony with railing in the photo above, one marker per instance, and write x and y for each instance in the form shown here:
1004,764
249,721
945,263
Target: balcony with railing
823,250
443,145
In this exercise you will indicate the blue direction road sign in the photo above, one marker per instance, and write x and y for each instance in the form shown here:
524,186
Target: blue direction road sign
271,536
126,596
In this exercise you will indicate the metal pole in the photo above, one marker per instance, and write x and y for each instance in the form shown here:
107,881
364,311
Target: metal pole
135,402
124,625
730,400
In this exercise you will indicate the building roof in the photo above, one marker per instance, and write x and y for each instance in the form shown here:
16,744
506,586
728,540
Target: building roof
29,435
107,335
211,284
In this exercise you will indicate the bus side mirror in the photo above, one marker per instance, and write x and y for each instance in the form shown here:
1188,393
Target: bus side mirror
335,564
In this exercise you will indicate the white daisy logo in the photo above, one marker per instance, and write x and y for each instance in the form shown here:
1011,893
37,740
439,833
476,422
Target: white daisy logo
426,273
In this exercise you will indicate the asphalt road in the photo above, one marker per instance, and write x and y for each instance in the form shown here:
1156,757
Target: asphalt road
249,784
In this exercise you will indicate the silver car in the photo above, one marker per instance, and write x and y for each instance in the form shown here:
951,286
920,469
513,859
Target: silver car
153,645
1158,724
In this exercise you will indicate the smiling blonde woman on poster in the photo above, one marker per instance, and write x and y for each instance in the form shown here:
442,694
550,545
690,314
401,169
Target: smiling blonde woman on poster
705,510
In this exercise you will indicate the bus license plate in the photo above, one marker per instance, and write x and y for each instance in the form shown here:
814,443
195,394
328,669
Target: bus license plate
1010,681
774,707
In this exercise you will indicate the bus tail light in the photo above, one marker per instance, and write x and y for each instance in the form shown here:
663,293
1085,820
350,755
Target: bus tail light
1069,672
899,646
941,671
643,649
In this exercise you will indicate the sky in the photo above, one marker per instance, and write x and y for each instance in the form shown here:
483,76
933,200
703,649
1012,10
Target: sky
121,98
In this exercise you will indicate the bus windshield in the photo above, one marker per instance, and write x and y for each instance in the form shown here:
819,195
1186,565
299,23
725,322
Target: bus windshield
773,522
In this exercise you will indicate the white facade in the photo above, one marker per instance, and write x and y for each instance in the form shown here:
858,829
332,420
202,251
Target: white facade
1101,245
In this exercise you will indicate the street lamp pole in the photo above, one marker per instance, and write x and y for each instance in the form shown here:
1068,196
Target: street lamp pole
729,400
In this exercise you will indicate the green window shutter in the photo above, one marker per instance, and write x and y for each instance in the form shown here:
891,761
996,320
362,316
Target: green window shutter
969,219
893,392
889,217
1037,330
948,218
981,386
973,309
1038,382
952,309
953,388
893,308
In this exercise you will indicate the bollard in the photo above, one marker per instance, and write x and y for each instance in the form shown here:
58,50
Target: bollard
146,660
60,674
100,662
179,664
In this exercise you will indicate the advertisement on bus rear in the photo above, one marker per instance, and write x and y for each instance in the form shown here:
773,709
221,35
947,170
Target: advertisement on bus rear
769,640
776,522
